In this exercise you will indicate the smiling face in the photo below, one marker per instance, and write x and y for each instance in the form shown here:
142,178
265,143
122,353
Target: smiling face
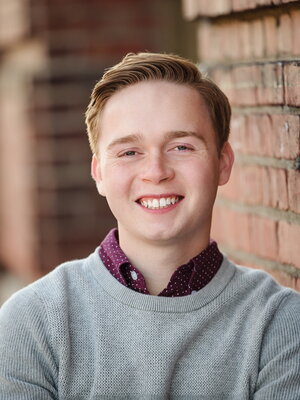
158,164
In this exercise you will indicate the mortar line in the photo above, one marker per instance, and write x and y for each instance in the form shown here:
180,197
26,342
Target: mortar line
259,210
230,64
276,109
243,256
263,161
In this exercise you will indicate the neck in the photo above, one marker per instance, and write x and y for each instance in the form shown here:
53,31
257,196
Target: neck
158,262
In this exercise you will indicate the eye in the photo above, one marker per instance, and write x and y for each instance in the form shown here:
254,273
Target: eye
128,153
182,147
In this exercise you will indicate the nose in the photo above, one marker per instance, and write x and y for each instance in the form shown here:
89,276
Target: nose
156,169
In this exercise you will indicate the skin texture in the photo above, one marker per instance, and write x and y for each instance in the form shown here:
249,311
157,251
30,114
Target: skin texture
157,139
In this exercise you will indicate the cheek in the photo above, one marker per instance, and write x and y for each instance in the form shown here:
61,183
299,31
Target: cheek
202,172
116,181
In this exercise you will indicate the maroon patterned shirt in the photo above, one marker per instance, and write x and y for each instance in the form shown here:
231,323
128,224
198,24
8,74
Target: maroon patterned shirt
187,279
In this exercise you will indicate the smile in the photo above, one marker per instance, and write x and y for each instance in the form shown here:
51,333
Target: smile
159,203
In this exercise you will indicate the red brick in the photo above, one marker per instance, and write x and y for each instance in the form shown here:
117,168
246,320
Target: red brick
256,135
240,5
257,38
285,34
295,15
294,191
288,236
220,41
263,237
221,7
246,80
252,84
238,132
274,188
213,8
208,44
267,133
245,184
275,135
231,228
263,2
245,39
292,84
255,185
18,230
270,30
286,136
230,40
14,22
270,89
194,8
277,241
190,8
224,78
251,184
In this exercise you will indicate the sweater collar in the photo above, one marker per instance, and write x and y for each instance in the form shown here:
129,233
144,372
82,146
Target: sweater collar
131,298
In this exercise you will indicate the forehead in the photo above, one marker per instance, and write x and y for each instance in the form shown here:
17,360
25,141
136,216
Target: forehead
153,107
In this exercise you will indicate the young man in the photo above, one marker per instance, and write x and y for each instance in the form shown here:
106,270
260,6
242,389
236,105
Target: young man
156,312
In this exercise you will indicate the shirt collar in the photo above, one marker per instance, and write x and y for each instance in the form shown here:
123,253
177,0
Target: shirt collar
186,279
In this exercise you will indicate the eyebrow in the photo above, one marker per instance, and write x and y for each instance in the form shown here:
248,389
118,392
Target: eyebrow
181,134
137,137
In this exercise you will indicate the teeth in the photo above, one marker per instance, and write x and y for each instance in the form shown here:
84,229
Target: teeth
155,203
163,202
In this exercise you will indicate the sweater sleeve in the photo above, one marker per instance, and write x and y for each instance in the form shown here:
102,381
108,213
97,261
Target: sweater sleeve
27,367
279,372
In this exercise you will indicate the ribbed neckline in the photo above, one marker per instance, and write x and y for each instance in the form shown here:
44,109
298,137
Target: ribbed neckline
157,303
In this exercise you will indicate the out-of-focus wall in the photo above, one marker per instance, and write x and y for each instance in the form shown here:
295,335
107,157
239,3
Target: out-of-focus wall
252,50
52,52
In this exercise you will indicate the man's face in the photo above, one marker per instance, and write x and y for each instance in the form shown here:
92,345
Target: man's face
158,163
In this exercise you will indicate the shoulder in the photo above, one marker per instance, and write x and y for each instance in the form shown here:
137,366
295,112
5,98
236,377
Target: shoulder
34,326
48,292
36,319
265,294
259,281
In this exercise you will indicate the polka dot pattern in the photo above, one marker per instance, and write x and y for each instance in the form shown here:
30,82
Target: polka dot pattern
187,279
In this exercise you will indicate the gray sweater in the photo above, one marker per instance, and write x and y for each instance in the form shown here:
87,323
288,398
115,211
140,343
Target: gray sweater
78,333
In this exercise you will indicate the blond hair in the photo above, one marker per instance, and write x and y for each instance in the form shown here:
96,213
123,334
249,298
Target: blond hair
135,68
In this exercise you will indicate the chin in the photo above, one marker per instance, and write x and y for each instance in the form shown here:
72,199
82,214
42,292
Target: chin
159,236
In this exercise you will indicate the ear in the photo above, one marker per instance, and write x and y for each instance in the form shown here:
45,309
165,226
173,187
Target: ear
226,163
96,174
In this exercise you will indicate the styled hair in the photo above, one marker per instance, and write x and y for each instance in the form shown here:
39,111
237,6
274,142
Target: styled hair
135,68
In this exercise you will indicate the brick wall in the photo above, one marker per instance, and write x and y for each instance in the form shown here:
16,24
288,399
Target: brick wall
21,57
251,49
49,207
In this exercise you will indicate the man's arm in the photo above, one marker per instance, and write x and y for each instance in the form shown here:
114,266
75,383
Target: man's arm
27,367
279,376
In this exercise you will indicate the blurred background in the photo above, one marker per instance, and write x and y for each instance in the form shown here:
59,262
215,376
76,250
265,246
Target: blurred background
52,52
